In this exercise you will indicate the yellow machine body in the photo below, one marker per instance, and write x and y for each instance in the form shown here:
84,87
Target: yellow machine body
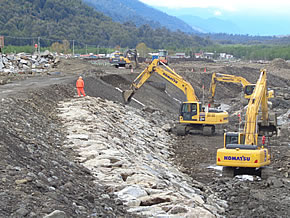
243,157
196,115
242,149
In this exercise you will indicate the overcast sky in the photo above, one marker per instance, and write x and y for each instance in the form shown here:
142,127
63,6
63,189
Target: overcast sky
267,6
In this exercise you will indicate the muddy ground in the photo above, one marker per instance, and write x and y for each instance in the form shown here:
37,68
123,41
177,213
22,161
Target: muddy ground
28,122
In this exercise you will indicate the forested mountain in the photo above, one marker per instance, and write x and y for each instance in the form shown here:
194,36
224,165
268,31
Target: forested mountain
139,13
133,11
210,25
73,20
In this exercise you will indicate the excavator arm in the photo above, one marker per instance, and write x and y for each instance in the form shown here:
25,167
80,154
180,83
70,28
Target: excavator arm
229,79
247,86
167,74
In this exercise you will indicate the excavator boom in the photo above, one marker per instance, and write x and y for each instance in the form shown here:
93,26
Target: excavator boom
258,98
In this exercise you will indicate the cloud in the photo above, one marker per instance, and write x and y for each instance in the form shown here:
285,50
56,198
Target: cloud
191,4
217,13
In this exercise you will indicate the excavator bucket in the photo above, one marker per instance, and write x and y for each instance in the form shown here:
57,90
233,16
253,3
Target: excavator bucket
127,95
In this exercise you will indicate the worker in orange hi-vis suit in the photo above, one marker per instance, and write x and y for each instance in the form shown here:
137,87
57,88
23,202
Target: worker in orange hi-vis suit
80,86
263,140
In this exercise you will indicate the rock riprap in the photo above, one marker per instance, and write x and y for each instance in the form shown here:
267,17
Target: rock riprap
128,150
27,63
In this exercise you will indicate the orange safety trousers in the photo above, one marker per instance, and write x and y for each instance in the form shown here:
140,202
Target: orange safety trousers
81,90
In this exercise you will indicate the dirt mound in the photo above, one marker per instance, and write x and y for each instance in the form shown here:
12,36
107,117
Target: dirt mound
279,63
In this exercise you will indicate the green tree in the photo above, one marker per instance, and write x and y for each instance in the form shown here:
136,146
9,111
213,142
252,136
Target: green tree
66,46
142,49
56,47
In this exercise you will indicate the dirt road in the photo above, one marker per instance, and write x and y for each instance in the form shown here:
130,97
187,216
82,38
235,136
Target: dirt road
18,87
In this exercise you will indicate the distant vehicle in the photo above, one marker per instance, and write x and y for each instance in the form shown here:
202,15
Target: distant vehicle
102,55
88,56
162,56
118,59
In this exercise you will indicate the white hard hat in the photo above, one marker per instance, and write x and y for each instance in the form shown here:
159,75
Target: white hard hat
80,77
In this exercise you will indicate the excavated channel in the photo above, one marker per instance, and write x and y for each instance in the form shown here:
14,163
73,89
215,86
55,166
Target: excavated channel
39,176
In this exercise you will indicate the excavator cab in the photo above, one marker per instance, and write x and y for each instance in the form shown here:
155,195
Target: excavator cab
233,138
249,89
189,111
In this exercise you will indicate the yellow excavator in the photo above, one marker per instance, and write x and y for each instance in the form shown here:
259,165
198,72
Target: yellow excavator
241,152
192,114
247,86
128,60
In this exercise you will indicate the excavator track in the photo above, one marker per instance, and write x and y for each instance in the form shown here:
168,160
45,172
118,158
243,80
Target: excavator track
208,130
228,172
181,130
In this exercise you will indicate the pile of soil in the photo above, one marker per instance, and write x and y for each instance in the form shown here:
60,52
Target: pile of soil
279,63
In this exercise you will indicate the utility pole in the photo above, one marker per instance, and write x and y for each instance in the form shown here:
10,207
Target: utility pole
203,94
73,47
86,49
39,45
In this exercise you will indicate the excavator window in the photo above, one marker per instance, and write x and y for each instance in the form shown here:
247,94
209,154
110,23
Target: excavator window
232,139
194,109
249,89
186,108
189,109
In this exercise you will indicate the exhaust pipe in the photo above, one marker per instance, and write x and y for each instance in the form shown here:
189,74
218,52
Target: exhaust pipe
127,96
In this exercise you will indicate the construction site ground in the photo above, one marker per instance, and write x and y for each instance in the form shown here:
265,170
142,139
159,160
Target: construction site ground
26,95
